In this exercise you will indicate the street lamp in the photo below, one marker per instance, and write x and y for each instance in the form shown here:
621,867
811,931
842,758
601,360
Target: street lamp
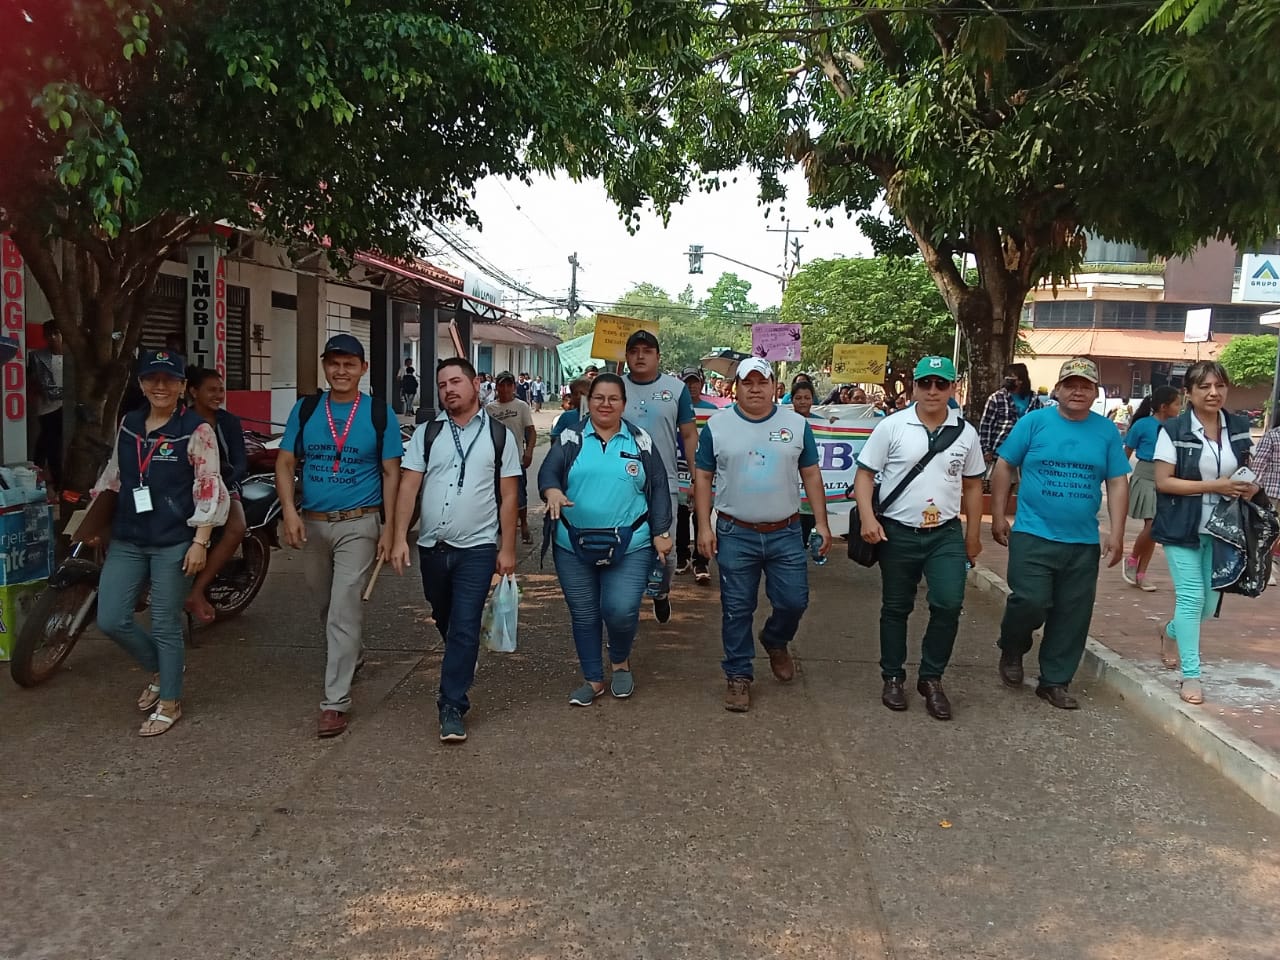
696,253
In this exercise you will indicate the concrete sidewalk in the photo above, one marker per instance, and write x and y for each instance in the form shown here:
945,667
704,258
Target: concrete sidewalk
1237,729
819,825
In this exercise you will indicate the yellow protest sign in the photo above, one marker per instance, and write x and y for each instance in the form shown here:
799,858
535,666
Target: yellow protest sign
859,362
610,340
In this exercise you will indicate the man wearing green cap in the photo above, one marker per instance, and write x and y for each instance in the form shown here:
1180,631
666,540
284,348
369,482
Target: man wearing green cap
1066,454
919,529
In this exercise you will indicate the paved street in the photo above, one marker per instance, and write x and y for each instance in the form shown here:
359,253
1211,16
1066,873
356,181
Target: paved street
818,825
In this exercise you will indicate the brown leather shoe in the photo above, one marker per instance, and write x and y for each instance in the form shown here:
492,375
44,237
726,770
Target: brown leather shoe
331,723
783,666
1058,697
737,695
893,697
935,699
1010,669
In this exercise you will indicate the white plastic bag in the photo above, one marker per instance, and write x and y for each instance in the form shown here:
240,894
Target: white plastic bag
501,615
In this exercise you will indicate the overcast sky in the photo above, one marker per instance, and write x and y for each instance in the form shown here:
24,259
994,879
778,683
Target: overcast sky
530,233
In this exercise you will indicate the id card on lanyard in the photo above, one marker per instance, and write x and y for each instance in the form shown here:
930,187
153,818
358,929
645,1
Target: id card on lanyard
142,495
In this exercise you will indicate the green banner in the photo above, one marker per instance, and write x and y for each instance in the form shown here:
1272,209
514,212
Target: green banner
575,355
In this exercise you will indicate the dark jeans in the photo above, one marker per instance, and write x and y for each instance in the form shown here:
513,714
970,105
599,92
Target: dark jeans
742,556
1053,585
456,583
939,556
687,538
602,598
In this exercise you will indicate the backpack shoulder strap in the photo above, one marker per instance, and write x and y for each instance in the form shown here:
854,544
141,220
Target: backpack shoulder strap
379,414
498,431
309,405
428,438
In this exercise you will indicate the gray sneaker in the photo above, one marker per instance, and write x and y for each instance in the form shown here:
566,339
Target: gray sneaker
622,684
584,696
452,729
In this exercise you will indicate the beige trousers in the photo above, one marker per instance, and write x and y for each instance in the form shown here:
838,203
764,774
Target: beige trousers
337,561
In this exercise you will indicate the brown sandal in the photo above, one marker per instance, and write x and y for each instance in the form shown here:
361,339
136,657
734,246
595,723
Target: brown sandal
150,695
1169,662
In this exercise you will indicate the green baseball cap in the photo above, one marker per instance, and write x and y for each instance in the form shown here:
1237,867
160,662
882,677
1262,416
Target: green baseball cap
935,367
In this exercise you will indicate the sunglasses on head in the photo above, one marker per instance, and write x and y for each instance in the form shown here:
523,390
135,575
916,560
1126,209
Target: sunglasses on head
933,383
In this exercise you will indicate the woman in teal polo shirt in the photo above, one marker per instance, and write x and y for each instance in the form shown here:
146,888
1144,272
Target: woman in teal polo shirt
607,485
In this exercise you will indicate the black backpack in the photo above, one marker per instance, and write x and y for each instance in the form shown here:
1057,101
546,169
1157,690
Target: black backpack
311,402
497,432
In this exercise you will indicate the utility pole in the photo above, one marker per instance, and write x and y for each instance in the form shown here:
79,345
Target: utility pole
572,304
788,246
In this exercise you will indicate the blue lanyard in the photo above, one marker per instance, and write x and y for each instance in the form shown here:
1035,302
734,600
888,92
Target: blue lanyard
457,443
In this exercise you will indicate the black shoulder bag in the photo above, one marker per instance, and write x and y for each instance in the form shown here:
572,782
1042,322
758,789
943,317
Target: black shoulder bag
868,554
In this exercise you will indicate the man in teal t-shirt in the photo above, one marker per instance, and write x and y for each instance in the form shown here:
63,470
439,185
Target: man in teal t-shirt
1066,454
347,486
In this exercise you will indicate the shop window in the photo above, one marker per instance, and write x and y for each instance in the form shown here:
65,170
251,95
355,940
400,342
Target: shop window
1062,314
1124,315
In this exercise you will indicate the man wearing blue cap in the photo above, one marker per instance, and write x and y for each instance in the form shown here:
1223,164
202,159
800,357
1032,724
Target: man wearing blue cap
350,457
918,527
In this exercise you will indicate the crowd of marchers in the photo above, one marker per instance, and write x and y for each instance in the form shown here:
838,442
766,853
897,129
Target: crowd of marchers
618,530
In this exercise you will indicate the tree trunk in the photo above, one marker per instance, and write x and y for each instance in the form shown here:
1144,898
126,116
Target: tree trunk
988,312
97,293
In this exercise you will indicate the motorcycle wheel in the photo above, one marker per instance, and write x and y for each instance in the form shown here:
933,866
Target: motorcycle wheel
46,638
240,580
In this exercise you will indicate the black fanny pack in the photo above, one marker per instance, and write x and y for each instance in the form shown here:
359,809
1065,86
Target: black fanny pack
600,546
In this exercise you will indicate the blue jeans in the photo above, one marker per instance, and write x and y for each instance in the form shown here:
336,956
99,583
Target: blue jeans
600,598
1195,600
456,583
128,569
742,555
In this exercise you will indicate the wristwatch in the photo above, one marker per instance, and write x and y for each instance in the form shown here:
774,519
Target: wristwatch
662,536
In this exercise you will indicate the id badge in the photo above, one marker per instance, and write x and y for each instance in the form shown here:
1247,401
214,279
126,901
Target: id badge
142,500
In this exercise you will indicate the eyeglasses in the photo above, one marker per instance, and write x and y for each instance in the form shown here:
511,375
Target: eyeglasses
606,400
933,383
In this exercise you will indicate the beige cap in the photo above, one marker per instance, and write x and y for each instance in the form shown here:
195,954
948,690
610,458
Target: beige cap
1080,367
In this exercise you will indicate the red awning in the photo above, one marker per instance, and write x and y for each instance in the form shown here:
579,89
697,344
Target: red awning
410,273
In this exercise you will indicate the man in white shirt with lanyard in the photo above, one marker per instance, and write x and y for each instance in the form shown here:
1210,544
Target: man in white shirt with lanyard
460,525
919,533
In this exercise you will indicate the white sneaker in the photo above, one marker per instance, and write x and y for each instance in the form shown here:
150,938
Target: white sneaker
1130,571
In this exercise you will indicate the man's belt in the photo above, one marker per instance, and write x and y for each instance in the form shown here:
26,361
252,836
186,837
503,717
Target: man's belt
763,527
337,516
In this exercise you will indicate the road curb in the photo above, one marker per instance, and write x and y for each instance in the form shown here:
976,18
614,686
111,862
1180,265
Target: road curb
1248,766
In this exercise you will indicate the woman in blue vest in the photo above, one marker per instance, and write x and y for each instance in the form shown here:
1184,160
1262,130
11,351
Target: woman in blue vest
206,393
1196,454
165,469
606,484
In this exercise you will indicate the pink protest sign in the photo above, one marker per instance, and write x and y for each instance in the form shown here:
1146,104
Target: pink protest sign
776,341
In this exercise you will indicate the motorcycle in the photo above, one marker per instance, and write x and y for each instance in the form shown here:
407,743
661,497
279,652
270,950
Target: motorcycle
70,602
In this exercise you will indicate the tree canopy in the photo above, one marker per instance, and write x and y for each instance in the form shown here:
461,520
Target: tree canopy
1250,360
1003,133
129,126
886,300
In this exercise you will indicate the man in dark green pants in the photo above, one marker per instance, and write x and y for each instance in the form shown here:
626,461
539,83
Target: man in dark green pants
919,531
1066,453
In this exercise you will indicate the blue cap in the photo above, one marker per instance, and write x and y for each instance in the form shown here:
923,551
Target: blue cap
163,362
344,343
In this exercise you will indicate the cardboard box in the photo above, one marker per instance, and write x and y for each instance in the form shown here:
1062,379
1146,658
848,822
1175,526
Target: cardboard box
16,601
26,543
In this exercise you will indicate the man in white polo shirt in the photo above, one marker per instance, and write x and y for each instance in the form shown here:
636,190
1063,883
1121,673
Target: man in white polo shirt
758,454
919,530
